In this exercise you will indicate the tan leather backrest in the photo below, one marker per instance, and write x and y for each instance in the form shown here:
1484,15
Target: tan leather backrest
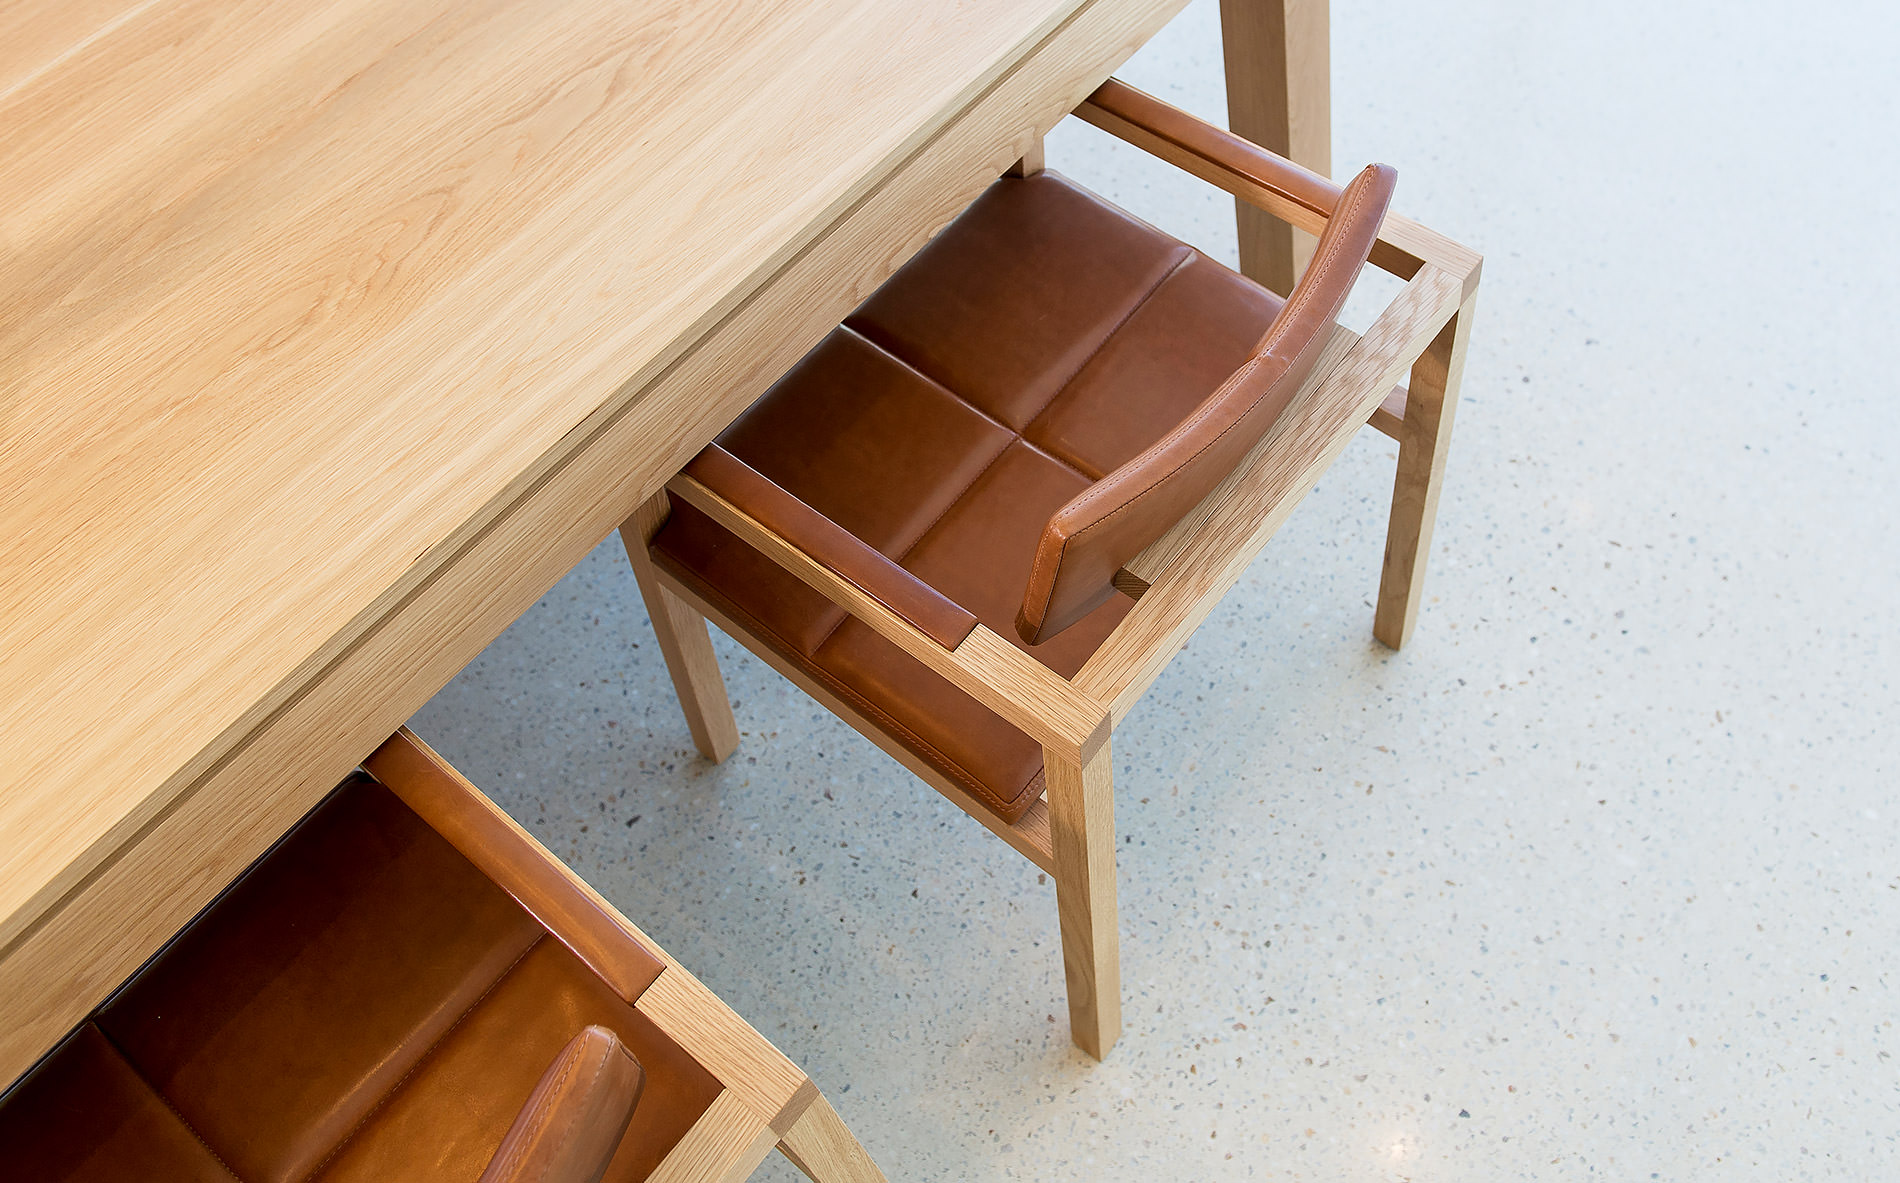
573,1121
1088,540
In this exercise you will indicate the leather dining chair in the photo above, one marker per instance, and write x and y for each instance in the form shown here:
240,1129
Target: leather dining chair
979,518
409,987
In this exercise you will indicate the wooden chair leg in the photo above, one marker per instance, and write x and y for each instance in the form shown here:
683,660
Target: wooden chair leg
1430,401
820,1145
683,640
1082,824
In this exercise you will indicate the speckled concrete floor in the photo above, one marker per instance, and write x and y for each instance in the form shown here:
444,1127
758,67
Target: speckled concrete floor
1597,879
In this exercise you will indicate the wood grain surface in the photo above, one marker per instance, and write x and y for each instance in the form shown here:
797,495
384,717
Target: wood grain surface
299,303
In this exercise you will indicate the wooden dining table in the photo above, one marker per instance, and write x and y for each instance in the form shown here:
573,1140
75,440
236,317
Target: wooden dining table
333,333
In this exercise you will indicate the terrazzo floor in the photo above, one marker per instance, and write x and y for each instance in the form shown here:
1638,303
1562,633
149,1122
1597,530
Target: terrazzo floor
1600,878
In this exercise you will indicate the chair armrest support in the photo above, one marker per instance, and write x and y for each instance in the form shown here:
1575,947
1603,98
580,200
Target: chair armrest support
832,546
1030,695
1259,177
1188,569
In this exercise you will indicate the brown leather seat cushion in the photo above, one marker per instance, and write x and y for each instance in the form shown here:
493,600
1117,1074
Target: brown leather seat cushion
1044,338
84,1116
363,1004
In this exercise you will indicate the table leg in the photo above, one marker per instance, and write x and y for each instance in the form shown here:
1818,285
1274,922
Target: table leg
1279,95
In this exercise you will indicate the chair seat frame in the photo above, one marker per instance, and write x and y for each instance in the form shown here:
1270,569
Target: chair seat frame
1176,582
765,1101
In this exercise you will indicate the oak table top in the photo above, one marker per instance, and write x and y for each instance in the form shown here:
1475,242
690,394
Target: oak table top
296,299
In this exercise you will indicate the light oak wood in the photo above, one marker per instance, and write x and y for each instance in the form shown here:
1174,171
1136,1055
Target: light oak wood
1082,820
1389,416
267,441
1278,58
985,666
681,633
725,1145
1192,566
243,555
741,1058
1030,162
1029,835
822,1147
1424,439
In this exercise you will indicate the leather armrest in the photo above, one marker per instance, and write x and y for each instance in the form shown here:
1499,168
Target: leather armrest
573,1121
1217,146
831,546
1238,165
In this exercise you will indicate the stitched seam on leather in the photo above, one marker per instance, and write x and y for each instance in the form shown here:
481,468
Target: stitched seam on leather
1319,268
539,1116
887,347
1056,458
949,767
1015,437
135,1070
1323,267
954,502
1042,614
426,1056
982,414
954,770
575,1117
1035,574
1035,776
1095,494
1188,254
899,559
918,541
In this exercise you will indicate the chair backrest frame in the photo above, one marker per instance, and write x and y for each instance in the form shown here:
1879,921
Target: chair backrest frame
1089,540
